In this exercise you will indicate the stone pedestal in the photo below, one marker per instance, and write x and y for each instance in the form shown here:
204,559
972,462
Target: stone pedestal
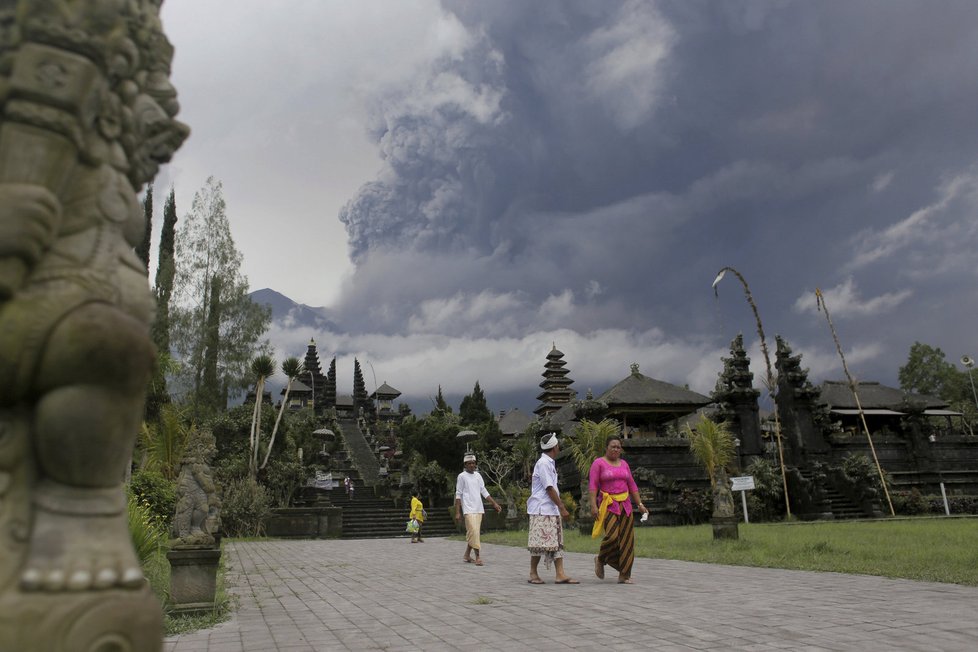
193,578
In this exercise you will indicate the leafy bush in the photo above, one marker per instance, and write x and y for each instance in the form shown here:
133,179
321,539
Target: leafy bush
157,493
957,504
430,479
766,501
571,506
246,504
522,495
863,476
694,506
148,532
911,503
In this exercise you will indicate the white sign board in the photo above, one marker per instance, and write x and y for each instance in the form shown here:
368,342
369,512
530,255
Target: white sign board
742,483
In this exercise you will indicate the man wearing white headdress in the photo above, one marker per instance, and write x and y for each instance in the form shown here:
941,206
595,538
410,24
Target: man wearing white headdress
546,509
470,489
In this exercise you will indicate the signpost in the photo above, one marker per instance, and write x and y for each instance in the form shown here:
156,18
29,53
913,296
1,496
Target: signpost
742,483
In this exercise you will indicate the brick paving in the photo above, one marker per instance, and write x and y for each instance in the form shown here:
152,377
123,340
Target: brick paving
388,594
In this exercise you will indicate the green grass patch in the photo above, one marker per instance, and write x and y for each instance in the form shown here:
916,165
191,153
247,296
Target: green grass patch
928,549
482,599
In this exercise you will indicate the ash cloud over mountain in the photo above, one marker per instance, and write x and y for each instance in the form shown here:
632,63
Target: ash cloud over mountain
586,167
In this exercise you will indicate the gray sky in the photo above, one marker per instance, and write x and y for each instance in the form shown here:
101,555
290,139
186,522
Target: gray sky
461,184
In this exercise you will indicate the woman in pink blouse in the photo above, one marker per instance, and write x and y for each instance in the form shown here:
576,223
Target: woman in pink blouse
611,485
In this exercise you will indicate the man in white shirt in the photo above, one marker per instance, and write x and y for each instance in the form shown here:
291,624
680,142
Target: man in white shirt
546,509
470,489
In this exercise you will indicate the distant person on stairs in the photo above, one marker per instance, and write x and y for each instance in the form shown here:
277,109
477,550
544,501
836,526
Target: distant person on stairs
470,489
418,514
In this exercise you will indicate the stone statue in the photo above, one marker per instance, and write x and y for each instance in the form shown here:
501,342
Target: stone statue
198,511
86,118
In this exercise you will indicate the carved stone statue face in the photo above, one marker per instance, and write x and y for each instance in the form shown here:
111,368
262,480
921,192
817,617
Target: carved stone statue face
158,136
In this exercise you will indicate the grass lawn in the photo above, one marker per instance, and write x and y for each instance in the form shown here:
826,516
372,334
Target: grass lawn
931,549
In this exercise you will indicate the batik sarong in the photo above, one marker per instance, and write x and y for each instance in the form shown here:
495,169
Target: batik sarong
546,538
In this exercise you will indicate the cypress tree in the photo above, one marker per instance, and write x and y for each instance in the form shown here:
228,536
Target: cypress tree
165,270
142,251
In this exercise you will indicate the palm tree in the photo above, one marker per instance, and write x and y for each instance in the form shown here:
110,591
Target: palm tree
292,368
163,442
588,442
262,367
712,445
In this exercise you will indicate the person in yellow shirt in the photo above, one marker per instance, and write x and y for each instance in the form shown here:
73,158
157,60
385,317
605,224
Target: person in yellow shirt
417,513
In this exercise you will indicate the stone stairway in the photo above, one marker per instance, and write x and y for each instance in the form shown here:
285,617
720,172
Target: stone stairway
360,452
369,517
841,507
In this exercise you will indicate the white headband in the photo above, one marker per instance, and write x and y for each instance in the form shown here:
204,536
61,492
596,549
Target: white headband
548,441
469,457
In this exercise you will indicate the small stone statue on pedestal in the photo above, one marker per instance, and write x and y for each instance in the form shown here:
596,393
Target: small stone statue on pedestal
198,511
86,118
195,549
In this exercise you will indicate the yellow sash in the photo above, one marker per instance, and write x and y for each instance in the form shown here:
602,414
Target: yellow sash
598,528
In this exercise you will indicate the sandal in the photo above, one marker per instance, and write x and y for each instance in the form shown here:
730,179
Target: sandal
535,580
478,562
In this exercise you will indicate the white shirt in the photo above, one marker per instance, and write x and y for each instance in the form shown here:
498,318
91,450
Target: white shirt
544,475
471,489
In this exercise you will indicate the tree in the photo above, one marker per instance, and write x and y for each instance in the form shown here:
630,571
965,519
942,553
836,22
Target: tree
261,368
587,443
440,404
497,466
927,372
142,251
434,438
474,410
712,446
165,271
215,328
163,442
158,395
292,368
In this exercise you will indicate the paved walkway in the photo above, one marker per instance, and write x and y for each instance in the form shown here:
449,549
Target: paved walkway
391,595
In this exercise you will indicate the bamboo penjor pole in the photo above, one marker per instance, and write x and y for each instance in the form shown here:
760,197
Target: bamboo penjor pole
852,386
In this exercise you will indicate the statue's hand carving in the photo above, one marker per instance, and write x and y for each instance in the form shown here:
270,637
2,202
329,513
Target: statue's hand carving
29,217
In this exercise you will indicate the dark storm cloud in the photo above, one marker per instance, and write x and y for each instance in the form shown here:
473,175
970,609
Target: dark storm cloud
590,165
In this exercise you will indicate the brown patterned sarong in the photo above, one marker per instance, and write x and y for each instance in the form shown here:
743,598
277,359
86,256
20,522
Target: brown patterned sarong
618,545
546,538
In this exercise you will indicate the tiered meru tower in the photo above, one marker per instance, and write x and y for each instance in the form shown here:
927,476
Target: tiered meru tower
323,387
556,385
313,375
